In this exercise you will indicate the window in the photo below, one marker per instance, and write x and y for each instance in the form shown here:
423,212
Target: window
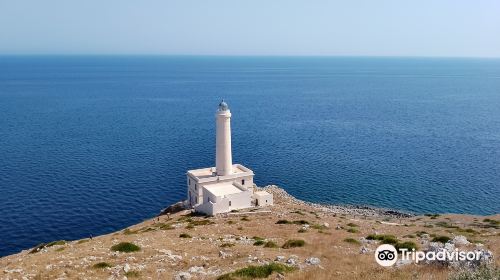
189,182
196,200
195,187
229,203
266,200
243,181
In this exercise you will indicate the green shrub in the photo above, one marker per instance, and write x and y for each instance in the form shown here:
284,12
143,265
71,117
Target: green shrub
383,238
318,227
301,222
445,225
252,272
302,230
406,245
201,223
283,222
225,245
259,242
270,244
352,225
352,230
420,233
432,216
491,221
257,238
292,243
352,240
132,274
166,227
101,265
185,235
230,222
128,231
125,247
245,219
442,239
298,212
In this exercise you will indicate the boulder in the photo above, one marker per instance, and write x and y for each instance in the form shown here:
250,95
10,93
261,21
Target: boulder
182,276
280,258
126,268
172,209
460,240
313,261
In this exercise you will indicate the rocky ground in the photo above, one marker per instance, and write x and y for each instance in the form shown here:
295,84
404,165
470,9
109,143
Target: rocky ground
292,239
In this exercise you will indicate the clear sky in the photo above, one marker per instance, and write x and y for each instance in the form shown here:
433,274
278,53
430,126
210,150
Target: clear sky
468,28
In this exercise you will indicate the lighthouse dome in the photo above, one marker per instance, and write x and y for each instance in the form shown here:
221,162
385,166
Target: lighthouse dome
223,106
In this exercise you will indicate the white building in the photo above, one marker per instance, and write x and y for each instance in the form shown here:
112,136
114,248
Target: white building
226,186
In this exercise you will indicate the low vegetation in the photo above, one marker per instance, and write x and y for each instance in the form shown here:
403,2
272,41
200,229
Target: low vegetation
352,230
445,225
132,274
259,243
252,272
287,222
352,241
410,245
270,244
166,227
492,223
441,238
319,227
125,247
432,216
482,272
101,265
128,231
292,243
298,212
185,235
47,245
383,238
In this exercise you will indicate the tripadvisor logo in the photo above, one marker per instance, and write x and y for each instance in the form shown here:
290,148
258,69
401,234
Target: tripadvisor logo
387,255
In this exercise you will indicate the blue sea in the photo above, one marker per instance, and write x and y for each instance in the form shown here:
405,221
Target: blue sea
93,144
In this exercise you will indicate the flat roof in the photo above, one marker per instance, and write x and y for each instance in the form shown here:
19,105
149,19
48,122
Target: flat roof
222,189
208,174
262,193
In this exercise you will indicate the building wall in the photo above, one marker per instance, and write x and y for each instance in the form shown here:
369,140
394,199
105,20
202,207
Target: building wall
195,193
264,200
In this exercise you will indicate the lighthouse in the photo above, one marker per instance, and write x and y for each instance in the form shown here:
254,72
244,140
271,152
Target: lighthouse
223,156
227,186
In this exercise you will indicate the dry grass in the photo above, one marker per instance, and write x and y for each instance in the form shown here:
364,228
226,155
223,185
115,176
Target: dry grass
339,259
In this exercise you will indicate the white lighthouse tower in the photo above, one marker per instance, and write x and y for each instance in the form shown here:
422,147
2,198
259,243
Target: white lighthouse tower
223,157
226,186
